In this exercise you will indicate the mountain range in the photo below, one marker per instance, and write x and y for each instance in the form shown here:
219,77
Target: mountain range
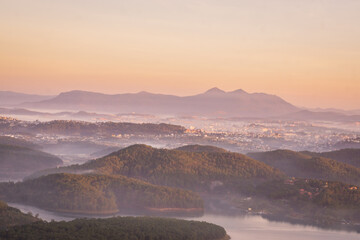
212,103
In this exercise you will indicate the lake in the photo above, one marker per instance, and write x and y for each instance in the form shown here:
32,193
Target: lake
239,228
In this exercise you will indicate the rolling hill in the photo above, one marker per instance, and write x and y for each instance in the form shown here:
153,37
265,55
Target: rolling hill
350,156
301,165
99,194
176,167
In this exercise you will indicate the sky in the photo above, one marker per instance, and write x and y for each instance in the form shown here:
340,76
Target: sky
307,52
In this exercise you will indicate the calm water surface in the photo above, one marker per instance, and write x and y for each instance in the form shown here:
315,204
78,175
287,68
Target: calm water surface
239,228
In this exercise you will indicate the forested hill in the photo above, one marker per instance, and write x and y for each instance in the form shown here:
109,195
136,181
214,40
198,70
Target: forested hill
98,194
301,165
349,155
179,168
12,217
124,228
21,161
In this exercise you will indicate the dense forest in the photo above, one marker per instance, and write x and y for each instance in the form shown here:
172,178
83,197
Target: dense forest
301,165
124,228
192,170
99,194
80,128
12,217
20,161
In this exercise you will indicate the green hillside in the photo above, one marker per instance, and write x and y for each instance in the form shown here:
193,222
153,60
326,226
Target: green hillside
301,165
98,194
350,156
12,217
179,168
124,228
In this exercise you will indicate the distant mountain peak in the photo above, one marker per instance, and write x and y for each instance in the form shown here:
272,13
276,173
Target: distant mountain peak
215,90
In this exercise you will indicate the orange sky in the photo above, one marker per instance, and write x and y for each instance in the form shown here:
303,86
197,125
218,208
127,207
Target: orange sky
307,52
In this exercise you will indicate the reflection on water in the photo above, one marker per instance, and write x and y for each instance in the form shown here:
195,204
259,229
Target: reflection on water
239,228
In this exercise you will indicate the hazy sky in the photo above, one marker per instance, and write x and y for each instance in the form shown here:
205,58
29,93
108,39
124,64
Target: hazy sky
306,51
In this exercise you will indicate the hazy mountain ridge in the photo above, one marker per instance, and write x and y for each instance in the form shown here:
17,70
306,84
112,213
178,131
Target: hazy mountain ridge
21,161
58,115
213,102
8,98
